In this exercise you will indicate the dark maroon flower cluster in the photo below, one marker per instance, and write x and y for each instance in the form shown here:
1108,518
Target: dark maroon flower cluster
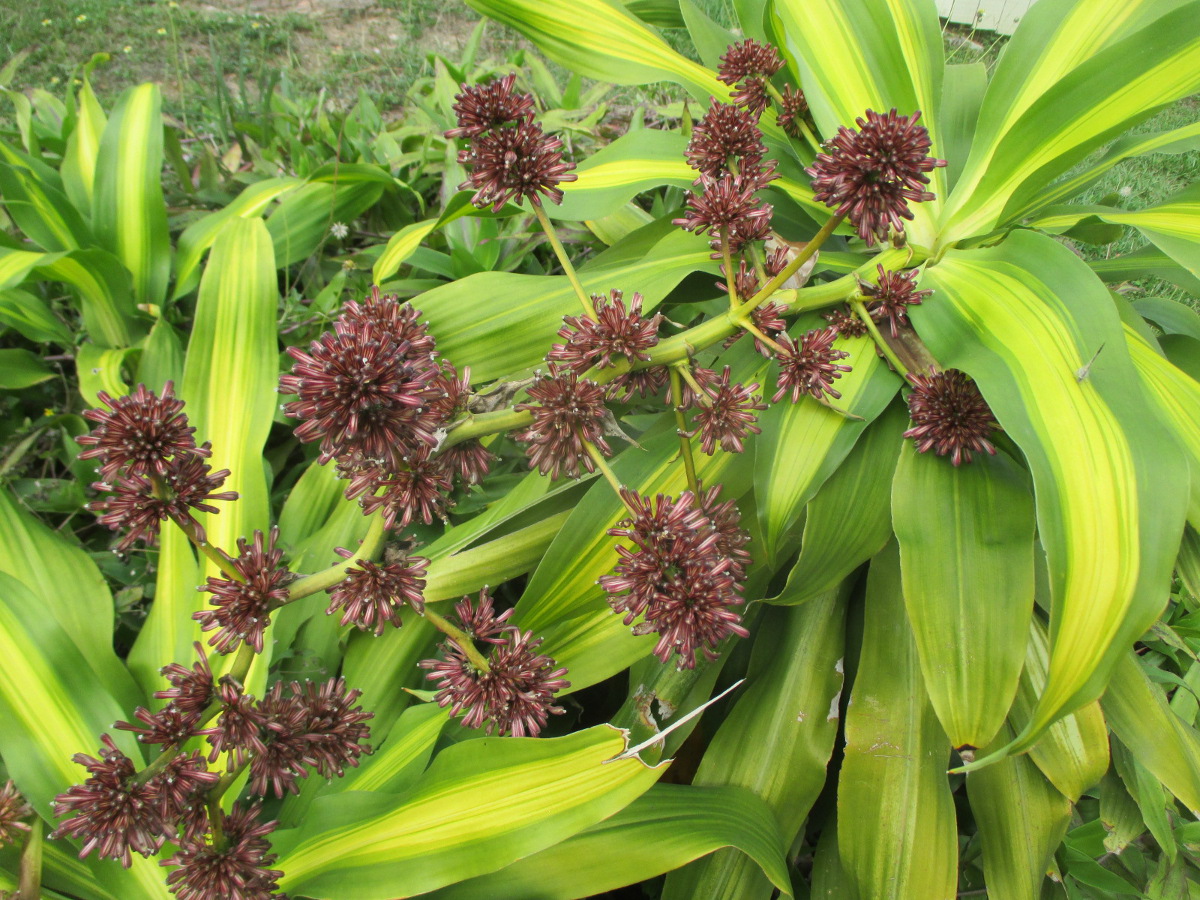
729,415
509,156
845,323
950,416
117,815
372,595
727,141
515,695
728,207
13,809
890,298
749,65
682,573
793,110
234,866
376,396
809,365
568,413
616,331
151,466
242,606
870,175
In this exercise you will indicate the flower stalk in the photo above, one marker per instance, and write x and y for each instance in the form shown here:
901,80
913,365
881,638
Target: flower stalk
685,441
585,299
460,638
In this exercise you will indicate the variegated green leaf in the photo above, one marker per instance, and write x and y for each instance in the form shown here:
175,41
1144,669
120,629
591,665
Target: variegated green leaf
803,443
666,827
1110,528
42,683
41,211
1073,753
1021,820
1141,717
198,237
966,554
83,147
778,739
855,55
301,223
1063,93
835,544
482,805
128,212
601,40
896,824
474,317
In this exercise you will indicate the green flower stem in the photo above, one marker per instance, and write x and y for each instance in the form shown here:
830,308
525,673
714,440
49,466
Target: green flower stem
749,325
29,884
460,638
686,374
685,442
564,260
605,469
800,123
865,318
730,279
193,532
212,802
327,578
793,267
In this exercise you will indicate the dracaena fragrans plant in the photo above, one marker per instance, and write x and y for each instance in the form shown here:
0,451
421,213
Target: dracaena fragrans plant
810,432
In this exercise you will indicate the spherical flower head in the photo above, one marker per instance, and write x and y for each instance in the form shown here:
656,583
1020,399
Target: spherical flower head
725,134
726,206
480,620
112,813
178,791
242,608
362,393
235,867
731,538
809,365
676,574
792,111
137,504
518,163
616,331
388,317
729,416
846,323
567,412
467,462
647,382
372,595
13,809
139,433
515,696
870,175
310,727
169,727
192,689
239,725
480,107
891,297
418,489
749,65
949,416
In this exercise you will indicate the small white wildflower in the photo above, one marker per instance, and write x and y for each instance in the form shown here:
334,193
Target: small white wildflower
339,230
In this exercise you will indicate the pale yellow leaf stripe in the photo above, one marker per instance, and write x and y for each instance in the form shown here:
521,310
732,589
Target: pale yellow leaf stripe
400,247
1179,218
1088,455
466,810
1179,397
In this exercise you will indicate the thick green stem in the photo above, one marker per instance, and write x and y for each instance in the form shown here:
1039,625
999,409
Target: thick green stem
564,260
460,638
29,883
327,578
865,318
749,325
194,534
793,267
685,442
730,275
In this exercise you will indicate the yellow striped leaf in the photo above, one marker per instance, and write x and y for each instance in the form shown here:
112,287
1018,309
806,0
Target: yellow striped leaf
83,147
601,40
128,212
482,805
896,821
1023,320
855,55
1087,86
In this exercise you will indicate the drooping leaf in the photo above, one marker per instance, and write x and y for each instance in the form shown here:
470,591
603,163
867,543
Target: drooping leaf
1110,528
481,805
896,823
966,555
663,829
